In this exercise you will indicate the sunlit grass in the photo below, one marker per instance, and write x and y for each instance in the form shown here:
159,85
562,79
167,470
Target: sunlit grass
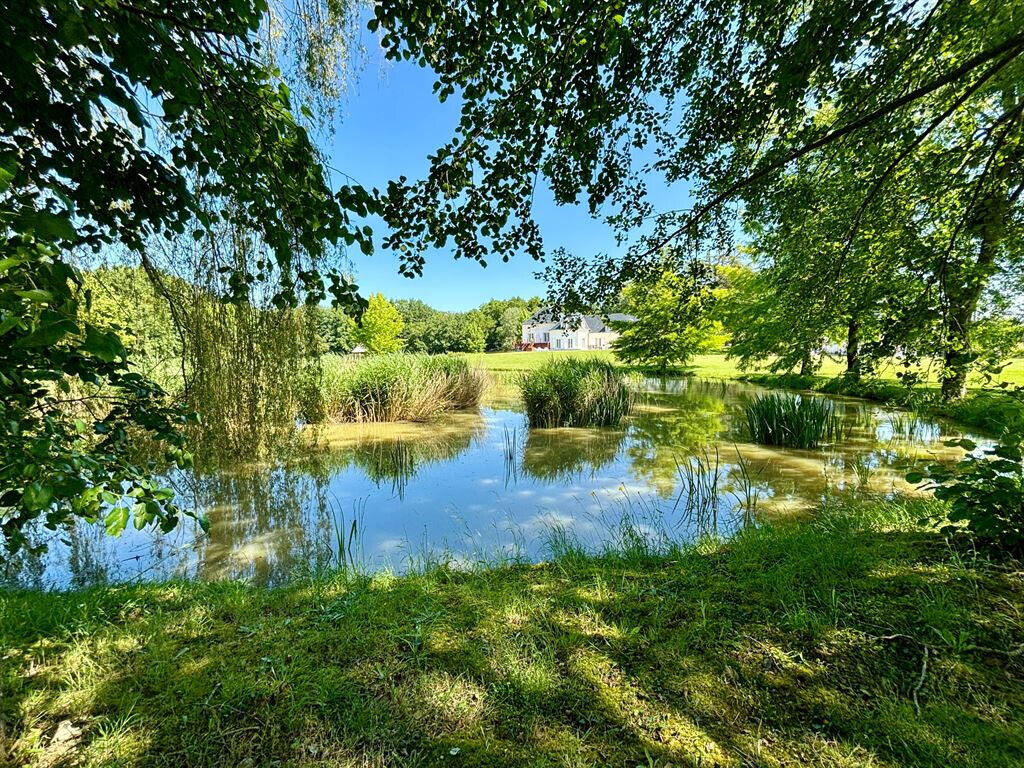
797,644
719,366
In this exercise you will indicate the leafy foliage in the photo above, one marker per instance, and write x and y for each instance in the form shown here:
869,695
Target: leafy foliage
452,332
381,326
599,98
73,412
985,490
120,123
674,320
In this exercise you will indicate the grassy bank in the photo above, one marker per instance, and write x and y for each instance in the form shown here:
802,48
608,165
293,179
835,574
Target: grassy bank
858,639
715,366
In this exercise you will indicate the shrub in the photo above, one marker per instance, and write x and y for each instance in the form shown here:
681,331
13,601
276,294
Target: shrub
985,492
569,392
793,422
395,387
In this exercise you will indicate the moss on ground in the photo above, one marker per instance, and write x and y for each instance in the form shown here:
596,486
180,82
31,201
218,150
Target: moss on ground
858,639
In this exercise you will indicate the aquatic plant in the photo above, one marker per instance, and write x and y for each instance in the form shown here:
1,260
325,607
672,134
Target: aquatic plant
396,387
569,392
791,421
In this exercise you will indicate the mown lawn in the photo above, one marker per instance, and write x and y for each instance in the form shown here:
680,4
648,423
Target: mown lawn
709,366
858,639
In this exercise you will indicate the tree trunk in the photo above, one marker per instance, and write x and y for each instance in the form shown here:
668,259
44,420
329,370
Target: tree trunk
962,301
853,349
806,364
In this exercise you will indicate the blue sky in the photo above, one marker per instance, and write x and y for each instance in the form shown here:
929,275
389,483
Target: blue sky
389,123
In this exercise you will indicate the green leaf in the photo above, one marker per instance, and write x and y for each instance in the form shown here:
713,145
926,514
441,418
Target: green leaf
102,344
48,334
36,496
116,520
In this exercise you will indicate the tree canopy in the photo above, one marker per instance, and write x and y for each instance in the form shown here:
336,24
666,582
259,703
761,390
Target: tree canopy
119,123
605,100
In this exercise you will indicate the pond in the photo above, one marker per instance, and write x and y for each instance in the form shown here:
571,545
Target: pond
481,486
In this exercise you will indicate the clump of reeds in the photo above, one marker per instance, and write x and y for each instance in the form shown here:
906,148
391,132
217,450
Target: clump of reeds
569,392
398,387
791,421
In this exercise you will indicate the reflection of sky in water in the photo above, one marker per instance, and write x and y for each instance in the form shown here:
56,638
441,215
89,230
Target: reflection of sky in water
481,486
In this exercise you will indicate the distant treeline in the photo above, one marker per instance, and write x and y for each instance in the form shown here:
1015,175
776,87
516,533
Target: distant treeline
125,299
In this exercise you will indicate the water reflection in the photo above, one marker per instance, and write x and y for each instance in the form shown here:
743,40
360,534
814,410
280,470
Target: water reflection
480,485
562,455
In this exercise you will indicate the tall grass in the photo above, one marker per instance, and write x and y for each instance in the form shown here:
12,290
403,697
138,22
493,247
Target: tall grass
570,392
395,387
793,422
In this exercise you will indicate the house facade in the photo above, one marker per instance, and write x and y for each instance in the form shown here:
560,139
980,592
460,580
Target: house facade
546,330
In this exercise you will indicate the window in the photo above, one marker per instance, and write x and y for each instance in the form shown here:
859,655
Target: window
547,337
529,337
568,343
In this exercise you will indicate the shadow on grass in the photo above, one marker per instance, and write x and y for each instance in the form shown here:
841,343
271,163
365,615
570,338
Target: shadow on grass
776,648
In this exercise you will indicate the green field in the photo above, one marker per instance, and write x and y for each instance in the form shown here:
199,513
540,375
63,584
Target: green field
709,366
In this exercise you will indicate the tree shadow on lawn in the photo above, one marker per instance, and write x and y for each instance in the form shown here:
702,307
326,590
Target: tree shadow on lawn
763,651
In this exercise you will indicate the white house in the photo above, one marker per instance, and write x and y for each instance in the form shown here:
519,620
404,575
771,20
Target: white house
546,330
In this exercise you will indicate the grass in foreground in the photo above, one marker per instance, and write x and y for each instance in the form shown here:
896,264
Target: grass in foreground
858,639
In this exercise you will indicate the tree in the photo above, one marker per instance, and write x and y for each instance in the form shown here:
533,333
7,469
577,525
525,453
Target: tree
674,321
123,300
117,120
598,99
725,95
381,326
416,315
502,320
336,329
762,326
452,332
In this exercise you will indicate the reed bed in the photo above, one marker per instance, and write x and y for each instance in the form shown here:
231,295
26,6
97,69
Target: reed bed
570,392
792,421
397,387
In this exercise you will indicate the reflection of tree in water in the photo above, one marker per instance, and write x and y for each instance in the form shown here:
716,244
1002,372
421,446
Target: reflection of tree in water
394,453
665,428
554,455
263,521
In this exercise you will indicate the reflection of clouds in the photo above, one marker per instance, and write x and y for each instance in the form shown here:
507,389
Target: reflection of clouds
451,488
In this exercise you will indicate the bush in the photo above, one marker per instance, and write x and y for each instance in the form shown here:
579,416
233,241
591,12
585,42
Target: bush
986,492
793,422
394,387
569,392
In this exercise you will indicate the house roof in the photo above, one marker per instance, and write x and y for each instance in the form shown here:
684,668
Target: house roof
548,320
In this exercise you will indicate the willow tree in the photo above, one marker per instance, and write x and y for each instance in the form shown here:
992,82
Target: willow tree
87,86
602,99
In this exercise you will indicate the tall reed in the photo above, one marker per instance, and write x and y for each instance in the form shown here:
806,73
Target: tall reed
792,421
395,387
569,392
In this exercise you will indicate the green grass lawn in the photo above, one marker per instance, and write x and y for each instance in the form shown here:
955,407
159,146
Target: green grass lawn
709,366
858,639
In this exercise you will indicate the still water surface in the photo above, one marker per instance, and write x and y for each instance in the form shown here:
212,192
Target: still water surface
482,486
